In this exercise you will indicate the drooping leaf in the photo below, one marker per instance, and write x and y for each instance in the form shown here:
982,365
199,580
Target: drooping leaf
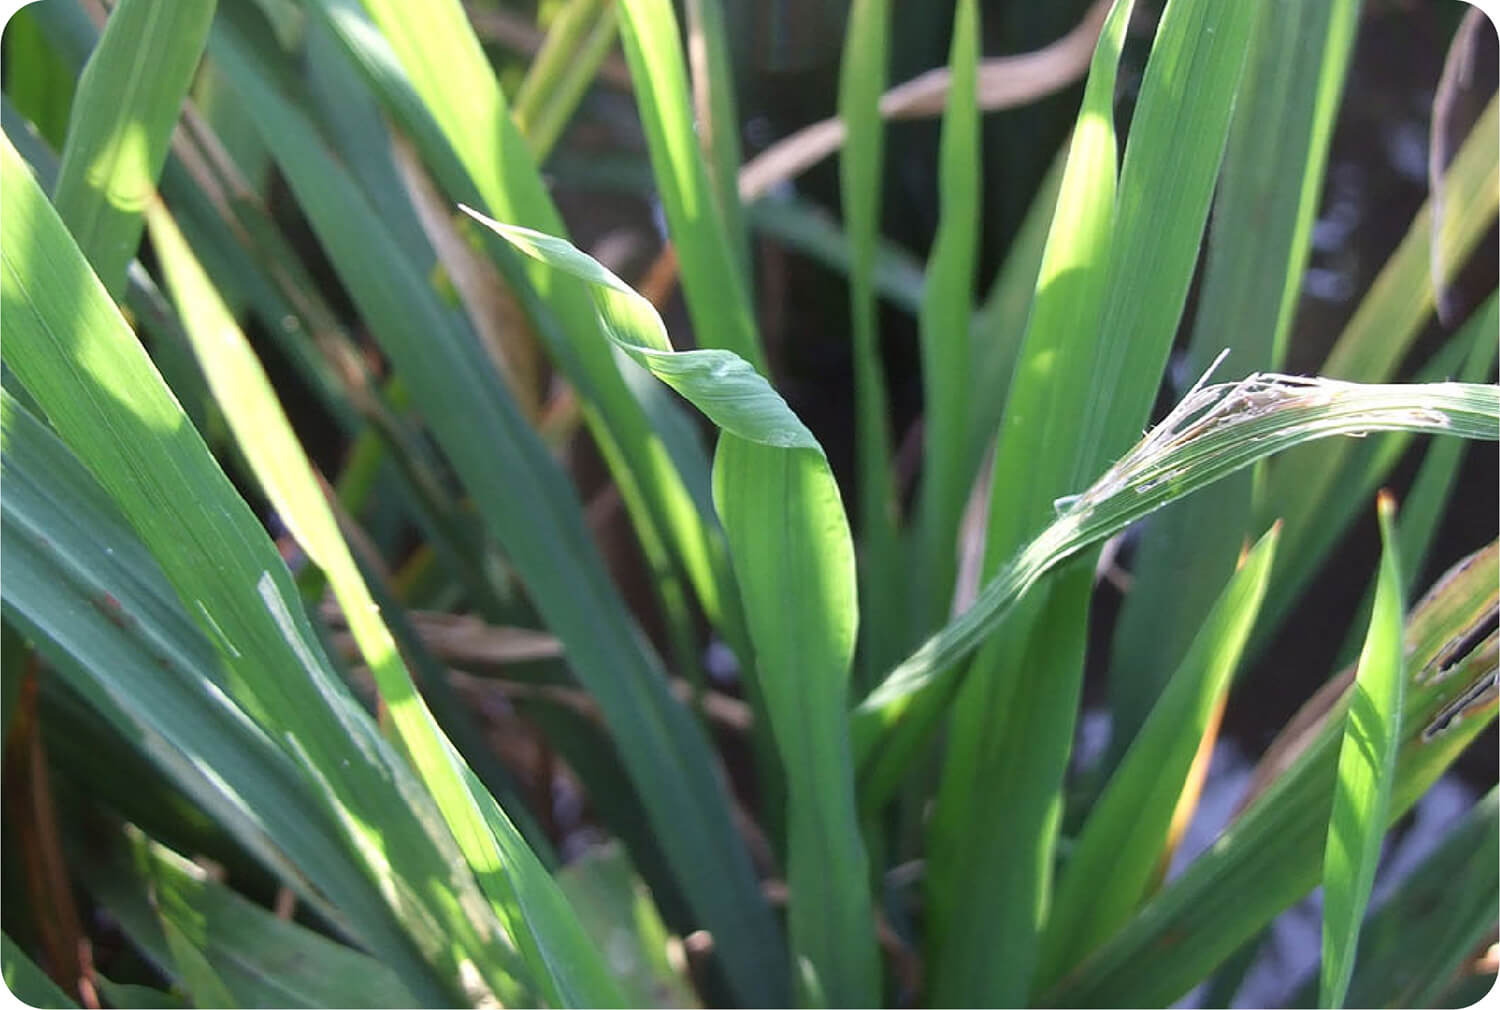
1215,431
1258,245
794,560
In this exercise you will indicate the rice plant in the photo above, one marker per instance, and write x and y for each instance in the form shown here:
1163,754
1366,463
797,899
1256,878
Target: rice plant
409,599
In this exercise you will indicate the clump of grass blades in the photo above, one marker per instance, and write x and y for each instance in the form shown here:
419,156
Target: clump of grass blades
405,783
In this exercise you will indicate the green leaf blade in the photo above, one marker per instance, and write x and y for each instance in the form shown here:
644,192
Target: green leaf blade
1122,842
717,291
947,306
1414,944
1066,296
1272,854
563,962
1258,245
716,119
794,560
223,949
1389,317
123,115
155,677
26,981
533,511
72,350
862,76
1366,768
1214,432
578,39
434,78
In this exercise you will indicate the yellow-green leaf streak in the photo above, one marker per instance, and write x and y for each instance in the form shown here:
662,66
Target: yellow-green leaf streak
563,961
72,350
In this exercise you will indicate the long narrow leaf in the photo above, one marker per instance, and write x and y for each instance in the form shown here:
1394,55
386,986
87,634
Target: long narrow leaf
1213,432
452,107
717,292
1067,294
1419,938
578,39
618,911
1122,842
562,961
862,75
1257,250
947,304
1370,348
1431,489
532,510
28,982
38,78
74,353
127,104
812,231
1366,766
988,886
794,560
1000,321
250,957
795,563
716,120
98,608
1272,855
